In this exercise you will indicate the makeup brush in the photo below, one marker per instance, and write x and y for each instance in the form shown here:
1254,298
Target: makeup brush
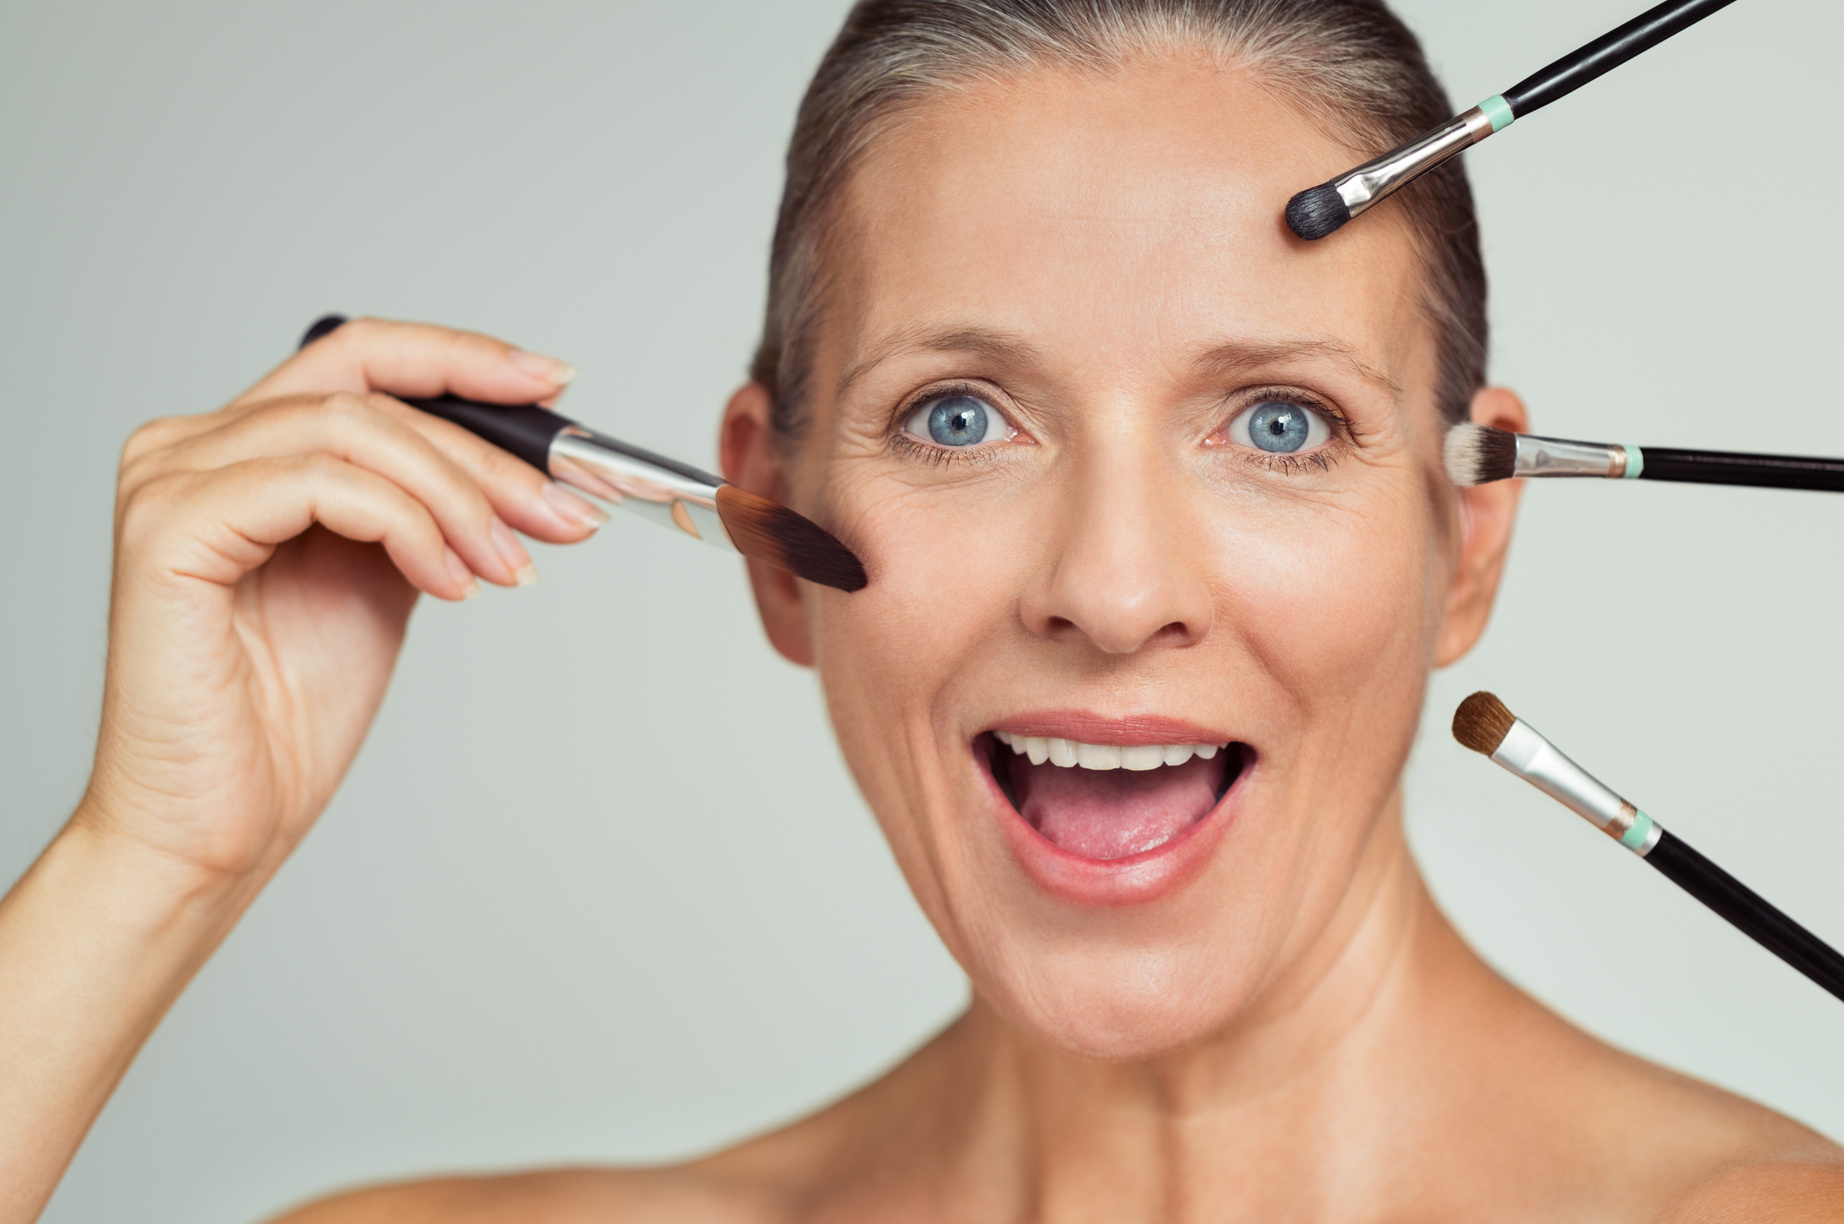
703,506
1480,454
1317,211
1483,724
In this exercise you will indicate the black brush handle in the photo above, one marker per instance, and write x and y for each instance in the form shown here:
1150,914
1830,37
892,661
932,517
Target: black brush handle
1748,912
525,430
1724,467
1606,53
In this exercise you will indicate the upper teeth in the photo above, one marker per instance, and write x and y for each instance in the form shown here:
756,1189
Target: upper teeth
1065,752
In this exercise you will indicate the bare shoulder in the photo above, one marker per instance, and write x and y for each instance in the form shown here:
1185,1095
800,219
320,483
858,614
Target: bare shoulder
770,1179
561,1196
1741,1160
1569,1127
1771,1191
1651,1143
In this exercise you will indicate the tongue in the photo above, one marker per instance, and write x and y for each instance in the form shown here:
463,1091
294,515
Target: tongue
1110,814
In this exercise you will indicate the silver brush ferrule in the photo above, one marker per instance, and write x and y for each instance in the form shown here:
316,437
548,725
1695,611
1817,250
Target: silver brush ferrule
1531,757
1560,457
1375,181
670,493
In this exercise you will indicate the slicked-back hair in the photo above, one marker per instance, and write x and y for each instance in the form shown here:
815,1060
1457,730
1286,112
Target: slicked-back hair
1350,66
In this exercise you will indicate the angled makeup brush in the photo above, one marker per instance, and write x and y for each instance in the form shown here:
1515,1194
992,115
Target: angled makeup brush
1483,724
703,506
1479,454
1317,211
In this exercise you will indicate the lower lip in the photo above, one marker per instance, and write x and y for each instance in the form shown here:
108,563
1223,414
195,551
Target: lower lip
1135,880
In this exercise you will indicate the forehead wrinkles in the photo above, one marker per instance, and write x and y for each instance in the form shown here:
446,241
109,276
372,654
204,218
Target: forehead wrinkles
875,195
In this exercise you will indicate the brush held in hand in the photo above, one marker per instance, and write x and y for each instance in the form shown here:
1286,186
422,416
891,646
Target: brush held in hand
1484,724
677,495
1318,211
1479,454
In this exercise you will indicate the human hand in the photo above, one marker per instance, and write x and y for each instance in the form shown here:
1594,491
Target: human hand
267,558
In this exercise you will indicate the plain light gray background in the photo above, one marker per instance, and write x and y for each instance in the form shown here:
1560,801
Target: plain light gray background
599,888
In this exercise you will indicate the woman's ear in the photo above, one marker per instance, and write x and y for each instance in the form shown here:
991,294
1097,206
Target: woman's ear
1486,514
752,462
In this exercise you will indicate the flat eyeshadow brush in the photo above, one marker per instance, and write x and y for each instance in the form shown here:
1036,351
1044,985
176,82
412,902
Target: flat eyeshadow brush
701,505
1483,724
1317,211
1479,454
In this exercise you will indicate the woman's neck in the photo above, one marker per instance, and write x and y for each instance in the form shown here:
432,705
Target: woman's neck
1288,1101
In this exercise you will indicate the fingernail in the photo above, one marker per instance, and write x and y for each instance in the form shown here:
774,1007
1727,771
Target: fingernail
573,510
458,569
539,366
513,553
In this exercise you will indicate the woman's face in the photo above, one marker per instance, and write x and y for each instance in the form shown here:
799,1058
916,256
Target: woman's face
1133,471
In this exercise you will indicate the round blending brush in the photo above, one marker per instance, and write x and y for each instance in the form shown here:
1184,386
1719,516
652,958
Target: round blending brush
701,505
1479,454
1318,211
1483,724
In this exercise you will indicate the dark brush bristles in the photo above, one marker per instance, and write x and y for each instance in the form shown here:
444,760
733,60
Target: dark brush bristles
761,529
1479,454
1316,212
1482,722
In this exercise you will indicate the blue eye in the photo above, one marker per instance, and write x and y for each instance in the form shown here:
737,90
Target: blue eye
958,421
1280,428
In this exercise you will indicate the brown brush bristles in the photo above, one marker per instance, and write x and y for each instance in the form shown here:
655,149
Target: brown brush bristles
1482,722
777,535
1479,454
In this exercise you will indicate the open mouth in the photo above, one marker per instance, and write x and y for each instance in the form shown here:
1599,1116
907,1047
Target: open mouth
1107,801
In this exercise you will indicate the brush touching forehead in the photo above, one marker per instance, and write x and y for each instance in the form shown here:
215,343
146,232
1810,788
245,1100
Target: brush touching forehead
1350,62
1065,226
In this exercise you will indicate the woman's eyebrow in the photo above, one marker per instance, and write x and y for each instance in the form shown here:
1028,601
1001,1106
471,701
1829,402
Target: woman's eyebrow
978,341
1237,356
1232,357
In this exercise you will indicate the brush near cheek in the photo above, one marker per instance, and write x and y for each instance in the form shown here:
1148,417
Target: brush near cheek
671,493
1479,454
1483,724
1318,211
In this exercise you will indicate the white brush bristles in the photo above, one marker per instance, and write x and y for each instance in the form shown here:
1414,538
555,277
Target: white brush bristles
1479,454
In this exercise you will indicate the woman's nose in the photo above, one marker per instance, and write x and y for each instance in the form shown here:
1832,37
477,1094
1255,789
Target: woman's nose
1124,571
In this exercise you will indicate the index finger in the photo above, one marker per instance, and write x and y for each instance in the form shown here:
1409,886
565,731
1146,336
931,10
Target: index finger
419,360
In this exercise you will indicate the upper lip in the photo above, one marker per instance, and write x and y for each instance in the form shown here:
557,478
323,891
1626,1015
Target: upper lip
1129,730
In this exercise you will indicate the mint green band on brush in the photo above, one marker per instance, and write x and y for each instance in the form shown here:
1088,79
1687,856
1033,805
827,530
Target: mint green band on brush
1635,461
1636,836
1498,111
